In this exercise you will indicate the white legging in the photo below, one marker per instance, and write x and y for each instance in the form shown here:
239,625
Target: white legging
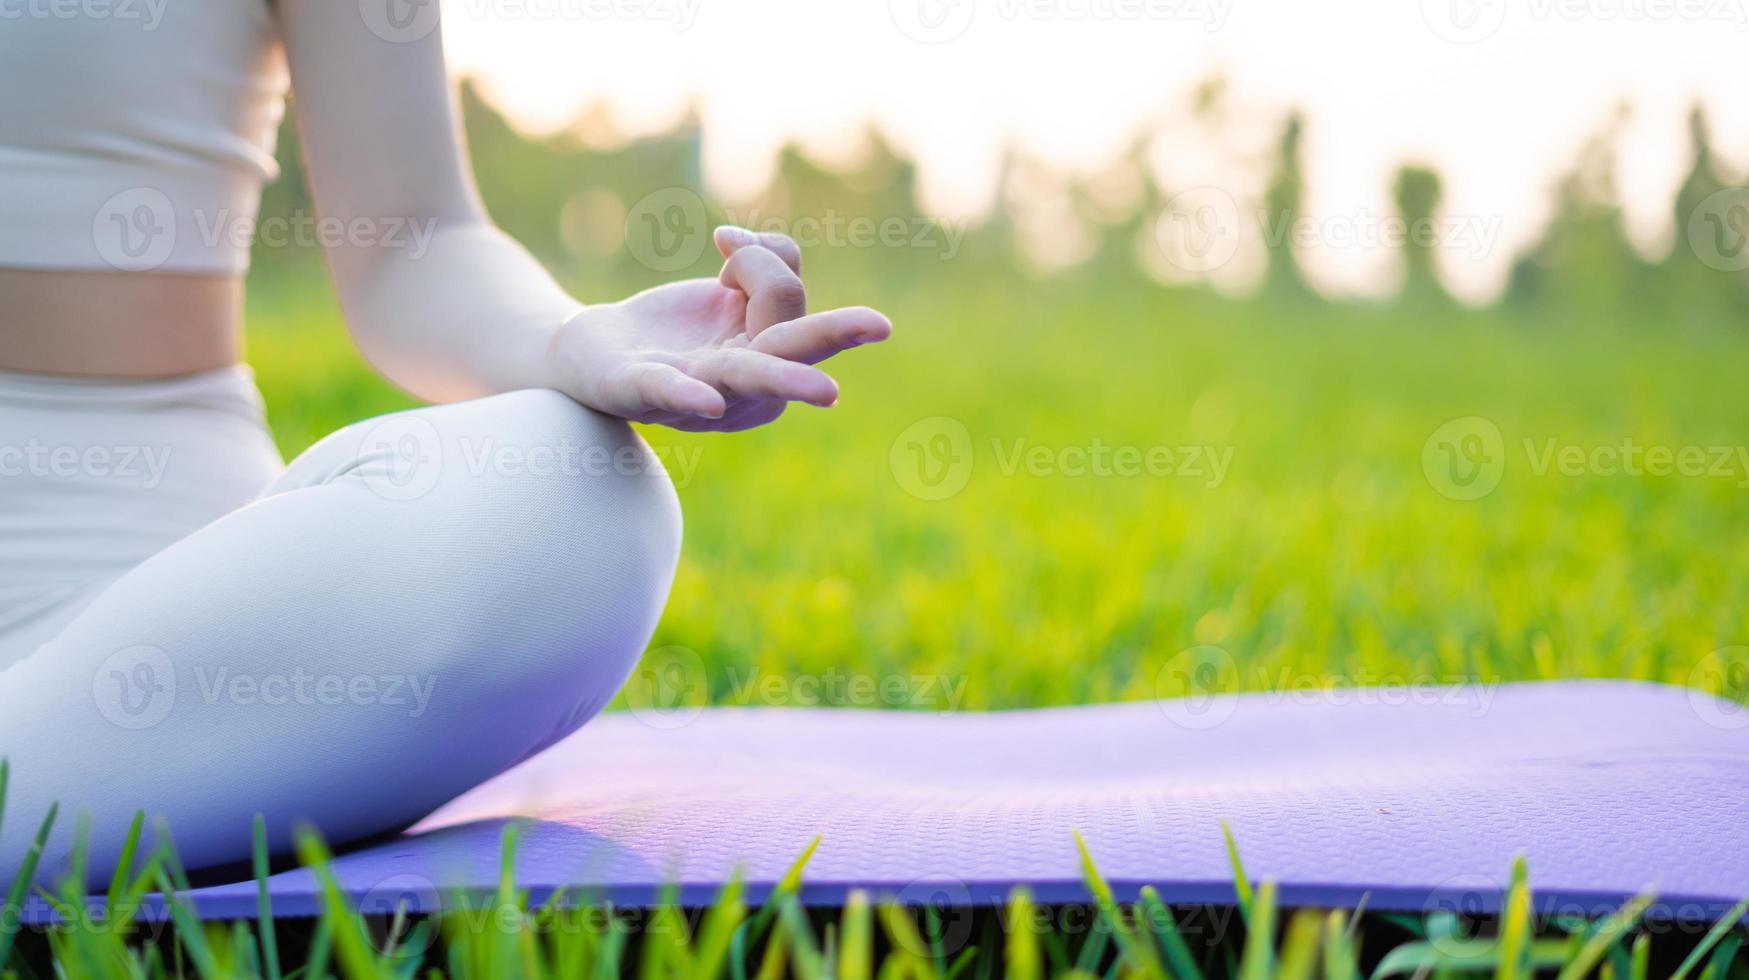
415,604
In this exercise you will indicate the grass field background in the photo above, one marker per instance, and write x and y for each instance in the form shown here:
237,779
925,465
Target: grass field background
1404,491
1326,555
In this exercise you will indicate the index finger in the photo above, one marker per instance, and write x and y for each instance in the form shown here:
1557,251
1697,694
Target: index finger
774,292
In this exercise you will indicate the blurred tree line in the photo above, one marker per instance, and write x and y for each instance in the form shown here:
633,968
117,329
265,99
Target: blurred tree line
573,199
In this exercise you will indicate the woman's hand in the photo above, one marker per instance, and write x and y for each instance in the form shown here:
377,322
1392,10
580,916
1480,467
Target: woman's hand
720,354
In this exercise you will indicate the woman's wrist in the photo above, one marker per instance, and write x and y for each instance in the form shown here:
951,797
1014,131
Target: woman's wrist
570,355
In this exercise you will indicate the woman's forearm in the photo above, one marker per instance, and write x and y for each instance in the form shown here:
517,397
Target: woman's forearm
454,310
450,308
438,299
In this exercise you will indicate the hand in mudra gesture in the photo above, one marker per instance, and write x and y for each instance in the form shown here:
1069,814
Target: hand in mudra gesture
721,354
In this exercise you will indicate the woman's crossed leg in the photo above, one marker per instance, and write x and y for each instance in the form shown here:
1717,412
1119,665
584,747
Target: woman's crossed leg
418,603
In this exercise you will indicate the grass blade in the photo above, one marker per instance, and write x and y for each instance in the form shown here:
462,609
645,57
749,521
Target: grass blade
188,929
1093,950
1164,927
1241,884
856,942
13,910
805,954
716,933
264,901
1139,955
1299,952
1025,962
124,865
350,942
752,930
1723,956
1341,962
1515,925
1605,936
1259,961
1718,932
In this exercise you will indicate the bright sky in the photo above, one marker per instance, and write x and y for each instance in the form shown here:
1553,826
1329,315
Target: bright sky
1498,94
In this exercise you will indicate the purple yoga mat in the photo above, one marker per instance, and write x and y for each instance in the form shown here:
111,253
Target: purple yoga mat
1417,798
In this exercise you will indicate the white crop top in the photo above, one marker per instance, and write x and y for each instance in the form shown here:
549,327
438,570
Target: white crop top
136,134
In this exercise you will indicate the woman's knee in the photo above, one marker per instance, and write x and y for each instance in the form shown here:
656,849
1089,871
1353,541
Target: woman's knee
576,508
556,463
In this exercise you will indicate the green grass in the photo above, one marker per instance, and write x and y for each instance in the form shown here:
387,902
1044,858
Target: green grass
504,935
1324,556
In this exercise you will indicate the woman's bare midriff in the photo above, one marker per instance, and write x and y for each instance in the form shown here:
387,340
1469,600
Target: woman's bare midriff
116,324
